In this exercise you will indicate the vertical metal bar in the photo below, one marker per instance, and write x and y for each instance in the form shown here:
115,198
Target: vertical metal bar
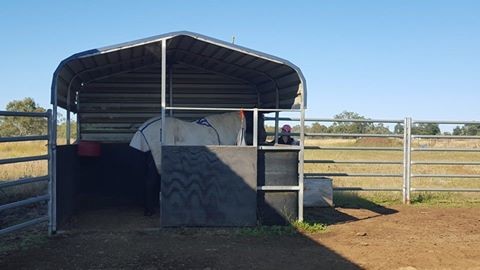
405,160
301,163
163,87
68,128
163,101
78,116
255,127
53,197
409,160
50,174
170,88
277,114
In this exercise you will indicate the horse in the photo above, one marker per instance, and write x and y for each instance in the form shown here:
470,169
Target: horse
233,128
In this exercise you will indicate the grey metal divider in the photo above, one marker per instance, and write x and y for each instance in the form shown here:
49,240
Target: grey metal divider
26,181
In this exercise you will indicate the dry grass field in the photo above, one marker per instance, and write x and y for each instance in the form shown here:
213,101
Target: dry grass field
22,170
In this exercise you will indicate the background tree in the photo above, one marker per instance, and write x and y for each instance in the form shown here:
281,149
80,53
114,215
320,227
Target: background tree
348,127
426,129
356,127
398,129
468,130
23,126
318,128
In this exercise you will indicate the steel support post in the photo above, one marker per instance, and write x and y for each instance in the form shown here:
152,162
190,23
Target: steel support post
407,163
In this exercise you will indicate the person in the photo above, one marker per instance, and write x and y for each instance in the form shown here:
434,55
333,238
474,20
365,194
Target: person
286,138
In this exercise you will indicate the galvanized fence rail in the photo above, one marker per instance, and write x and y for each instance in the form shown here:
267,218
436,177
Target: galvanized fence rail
25,181
435,163
407,171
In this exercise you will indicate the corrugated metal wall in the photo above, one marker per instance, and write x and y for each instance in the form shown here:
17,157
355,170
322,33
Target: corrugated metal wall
113,108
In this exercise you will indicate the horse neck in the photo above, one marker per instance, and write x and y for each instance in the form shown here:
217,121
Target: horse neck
227,125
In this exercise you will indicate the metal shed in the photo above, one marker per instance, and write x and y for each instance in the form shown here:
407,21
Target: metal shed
114,89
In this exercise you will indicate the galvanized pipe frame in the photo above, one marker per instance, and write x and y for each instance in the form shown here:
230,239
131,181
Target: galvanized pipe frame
445,163
255,111
309,175
22,159
24,181
407,162
52,166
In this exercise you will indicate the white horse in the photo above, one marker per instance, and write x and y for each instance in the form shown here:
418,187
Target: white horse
219,129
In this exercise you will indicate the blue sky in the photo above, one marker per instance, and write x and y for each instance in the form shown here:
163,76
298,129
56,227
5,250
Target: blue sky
382,59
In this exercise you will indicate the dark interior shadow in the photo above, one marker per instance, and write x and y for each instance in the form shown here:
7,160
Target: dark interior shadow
105,190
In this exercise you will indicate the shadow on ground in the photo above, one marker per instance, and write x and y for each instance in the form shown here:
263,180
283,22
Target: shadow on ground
335,215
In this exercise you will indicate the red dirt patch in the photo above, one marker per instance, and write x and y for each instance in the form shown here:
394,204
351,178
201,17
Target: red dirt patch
379,238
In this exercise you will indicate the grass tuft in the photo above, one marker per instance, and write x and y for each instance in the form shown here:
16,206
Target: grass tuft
293,228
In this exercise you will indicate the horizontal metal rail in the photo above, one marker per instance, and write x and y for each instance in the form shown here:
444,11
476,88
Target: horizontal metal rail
22,159
24,114
278,188
319,161
23,181
230,109
336,120
310,147
353,135
456,137
24,202
447,189
24,138
284,133
453,163
365,189
446,175
24,225
446,122
281,147
339,174
446,149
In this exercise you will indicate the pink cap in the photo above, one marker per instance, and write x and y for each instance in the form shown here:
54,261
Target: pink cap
286,128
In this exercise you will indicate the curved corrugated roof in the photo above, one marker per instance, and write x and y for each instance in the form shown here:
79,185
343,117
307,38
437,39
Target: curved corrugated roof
278,82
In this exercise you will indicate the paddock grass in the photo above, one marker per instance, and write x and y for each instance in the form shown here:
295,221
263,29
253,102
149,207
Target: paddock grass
39,168
16,171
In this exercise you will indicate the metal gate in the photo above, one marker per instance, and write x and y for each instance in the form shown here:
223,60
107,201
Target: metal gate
407,164
49,197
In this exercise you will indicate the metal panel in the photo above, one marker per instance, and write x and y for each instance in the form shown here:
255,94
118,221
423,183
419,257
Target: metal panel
208,186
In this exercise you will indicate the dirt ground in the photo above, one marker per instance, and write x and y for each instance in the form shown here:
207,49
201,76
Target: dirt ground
397,237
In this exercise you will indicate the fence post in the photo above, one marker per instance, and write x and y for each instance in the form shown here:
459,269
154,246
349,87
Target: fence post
407,154
50,174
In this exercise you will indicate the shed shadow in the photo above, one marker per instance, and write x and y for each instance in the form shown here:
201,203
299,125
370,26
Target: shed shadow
267,252
358,208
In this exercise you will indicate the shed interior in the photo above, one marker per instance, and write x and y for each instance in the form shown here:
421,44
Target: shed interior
113,90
